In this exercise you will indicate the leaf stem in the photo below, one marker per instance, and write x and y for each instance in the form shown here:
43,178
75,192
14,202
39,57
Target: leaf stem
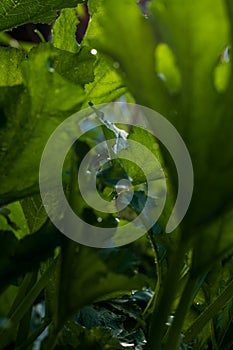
163,307
33,336
209,313
26,303
174,333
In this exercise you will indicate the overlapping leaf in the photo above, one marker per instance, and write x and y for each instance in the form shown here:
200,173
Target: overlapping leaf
197,36
17,12
29,115
81,267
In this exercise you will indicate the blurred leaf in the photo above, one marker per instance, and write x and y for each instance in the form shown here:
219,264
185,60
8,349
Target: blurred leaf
166,68
214,242
222,76
198,109
201,111
131,50
6,300
17,12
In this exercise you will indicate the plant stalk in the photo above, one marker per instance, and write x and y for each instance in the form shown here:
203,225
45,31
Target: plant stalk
174,333
209,313
163,308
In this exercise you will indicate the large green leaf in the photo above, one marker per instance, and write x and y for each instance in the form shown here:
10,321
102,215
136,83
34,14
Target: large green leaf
30,114
196,37
131,48
16,12
84,278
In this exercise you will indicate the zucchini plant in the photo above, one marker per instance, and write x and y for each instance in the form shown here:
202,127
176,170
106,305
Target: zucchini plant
165,290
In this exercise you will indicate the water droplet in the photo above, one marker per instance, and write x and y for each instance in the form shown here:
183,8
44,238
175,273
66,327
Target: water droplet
4,323
170,320
226,54
67,172
126,345
51,69
123,185
49,66
94,52
99,219
162,76
116,65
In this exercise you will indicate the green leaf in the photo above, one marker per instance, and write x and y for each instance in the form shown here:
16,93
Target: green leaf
34,248
63,35
107,85
14,220
17,12
31,113
80,268
131,51
10,60
42,80
143,137
222,76
34,212
201,110
198,111
90,317
6,300
73,336
166,68
215,241
77,68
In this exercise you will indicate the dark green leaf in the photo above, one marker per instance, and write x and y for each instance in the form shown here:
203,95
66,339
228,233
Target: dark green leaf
75,337
17,12
31,115
77,276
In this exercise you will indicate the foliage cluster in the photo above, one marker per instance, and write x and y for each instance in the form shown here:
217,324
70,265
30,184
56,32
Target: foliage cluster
164,291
